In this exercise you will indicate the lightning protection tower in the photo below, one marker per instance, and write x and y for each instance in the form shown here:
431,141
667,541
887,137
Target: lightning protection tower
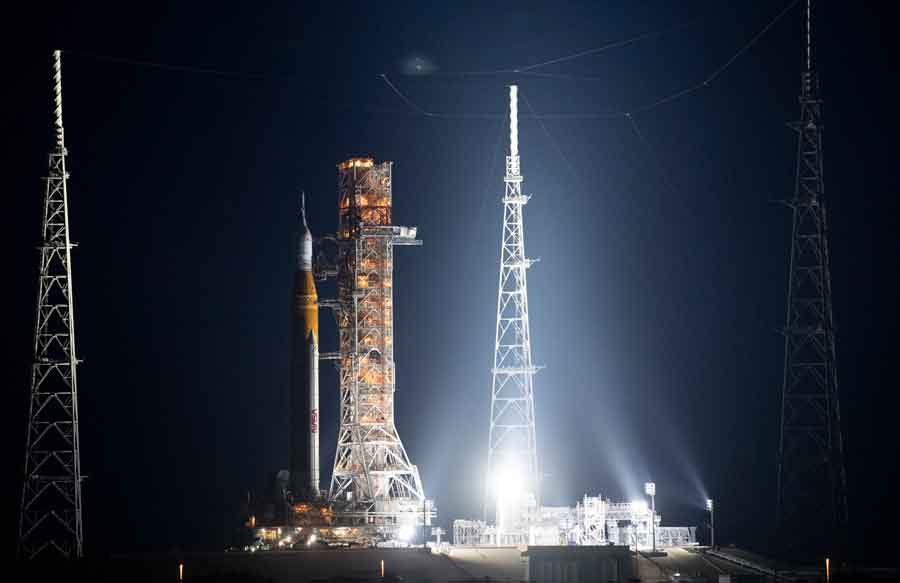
812,486
373,479
50,512
512,468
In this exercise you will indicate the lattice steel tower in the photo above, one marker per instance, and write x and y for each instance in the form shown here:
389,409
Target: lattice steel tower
50,512
372,473
812,485
512,450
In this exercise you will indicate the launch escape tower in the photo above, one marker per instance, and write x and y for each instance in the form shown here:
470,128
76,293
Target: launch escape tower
50,512
372,473
512,469
812,485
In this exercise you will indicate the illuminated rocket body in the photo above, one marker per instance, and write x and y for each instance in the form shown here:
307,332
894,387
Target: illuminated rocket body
304,400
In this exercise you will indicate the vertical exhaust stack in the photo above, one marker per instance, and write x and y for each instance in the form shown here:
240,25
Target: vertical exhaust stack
304,399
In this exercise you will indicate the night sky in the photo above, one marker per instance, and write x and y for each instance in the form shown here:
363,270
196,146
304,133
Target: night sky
663,248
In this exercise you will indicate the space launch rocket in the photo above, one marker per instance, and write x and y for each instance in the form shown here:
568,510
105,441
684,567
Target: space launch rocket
304,400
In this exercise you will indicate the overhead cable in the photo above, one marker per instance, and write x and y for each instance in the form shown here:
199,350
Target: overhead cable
611,114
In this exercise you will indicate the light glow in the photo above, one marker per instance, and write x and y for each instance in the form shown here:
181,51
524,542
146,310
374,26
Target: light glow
650,488
405,533
507,482
508,490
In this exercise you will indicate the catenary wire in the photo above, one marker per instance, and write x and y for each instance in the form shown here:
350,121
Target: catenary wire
550,137
524,71
666,179
529,69
180,68
606,47
229,75
612,114
404,98
501,131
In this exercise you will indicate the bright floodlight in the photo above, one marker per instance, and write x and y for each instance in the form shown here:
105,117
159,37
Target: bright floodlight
709,504
508,491
405,533
507,482
650,488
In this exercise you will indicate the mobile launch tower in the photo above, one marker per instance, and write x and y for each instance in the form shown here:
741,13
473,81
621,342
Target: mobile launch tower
376,494
373,478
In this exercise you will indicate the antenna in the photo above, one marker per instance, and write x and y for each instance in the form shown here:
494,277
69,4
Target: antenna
57,97
513,120
808,19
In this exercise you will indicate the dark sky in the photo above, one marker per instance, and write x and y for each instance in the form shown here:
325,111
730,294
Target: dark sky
655,307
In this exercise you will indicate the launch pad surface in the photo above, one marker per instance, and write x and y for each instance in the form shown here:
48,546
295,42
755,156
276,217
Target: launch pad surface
414,564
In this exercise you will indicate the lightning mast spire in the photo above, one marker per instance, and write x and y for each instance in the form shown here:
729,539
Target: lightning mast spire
50,511
512,470
812,484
